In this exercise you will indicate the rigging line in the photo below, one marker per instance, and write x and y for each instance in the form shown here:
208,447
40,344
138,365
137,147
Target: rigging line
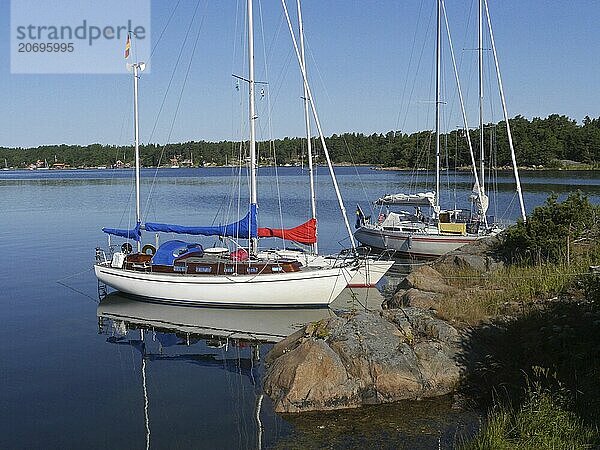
236,200
74,275
280,79
180,95
409,65
460,61
466,44
276,35
181,48
412,90
234,103
269,117
319,73
360,180
124,122
163,30
129,202
187,73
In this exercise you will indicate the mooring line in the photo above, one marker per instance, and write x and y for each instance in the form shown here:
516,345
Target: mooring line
62,283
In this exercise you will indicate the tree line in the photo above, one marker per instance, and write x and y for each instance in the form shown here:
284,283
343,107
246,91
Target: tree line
538,142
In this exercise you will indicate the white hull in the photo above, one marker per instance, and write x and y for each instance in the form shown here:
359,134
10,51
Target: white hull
419,245
368,273
305,288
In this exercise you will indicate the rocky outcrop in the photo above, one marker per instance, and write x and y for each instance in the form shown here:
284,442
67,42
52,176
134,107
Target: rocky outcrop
479,256
426,278
426,286
363,358
412,297
422,288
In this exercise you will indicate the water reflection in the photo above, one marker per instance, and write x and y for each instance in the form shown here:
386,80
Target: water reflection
218,338
185,355
254,325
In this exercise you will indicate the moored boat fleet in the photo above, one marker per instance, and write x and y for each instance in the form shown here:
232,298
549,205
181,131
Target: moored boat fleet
238,270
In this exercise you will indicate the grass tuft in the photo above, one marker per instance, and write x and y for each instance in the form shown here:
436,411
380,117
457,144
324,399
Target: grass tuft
542,422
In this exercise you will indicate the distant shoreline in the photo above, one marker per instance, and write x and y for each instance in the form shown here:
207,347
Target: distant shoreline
578,168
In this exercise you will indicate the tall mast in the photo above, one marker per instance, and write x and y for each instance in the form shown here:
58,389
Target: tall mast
319,128
505,112
437,104
251,120
463,110
136,130
480,58
313,199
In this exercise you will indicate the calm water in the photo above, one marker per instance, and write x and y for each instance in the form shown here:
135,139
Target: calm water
65,385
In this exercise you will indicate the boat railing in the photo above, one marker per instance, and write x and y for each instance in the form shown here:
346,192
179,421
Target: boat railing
365,252
101,256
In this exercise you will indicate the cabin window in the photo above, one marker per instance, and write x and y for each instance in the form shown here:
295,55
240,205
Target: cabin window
179,268
229,269
252,269
203,269
277,269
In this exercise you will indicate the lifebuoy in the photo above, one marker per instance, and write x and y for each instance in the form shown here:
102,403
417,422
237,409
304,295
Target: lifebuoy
150,247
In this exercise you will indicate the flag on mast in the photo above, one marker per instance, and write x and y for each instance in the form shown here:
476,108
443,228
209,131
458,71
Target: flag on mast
127,46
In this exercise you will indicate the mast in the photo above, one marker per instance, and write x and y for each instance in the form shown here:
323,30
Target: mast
504,111
480,58
437,105
251,121
319,129
136,130
313,199
463,110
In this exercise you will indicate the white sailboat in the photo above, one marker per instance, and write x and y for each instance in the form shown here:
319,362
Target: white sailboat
184,273
416,234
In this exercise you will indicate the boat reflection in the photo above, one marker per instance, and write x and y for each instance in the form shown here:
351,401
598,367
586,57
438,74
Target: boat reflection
192,335
253,325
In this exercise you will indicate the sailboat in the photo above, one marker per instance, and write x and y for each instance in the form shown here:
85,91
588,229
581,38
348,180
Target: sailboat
429,236
185,273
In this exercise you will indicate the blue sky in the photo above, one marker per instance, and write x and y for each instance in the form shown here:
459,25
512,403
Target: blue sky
359,54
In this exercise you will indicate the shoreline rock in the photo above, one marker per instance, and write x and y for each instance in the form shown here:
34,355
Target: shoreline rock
363,358
426,286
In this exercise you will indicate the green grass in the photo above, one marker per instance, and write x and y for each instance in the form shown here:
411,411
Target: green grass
510,290
543,421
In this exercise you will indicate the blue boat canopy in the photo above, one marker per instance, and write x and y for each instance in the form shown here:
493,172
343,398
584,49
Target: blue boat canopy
134,233
169,251
243,228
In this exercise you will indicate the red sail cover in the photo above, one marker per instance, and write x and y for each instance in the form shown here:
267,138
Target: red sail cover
304,234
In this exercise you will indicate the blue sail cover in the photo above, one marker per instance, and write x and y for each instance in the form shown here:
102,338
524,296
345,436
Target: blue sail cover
241,229
134,233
